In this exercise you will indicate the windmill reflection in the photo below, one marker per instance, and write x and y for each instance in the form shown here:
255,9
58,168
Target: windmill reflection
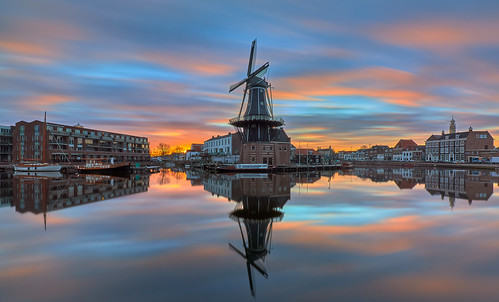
260,199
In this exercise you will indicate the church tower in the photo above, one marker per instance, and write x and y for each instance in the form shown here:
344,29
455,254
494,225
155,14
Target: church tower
452,127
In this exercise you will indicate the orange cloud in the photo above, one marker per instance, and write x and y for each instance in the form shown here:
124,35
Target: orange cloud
439,34
386,84
25,48
39,38
46,100
188,63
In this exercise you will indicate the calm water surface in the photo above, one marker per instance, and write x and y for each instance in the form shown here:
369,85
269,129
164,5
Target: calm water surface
362,235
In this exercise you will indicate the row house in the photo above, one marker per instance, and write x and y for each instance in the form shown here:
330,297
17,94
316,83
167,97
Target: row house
403,150
195,153
223,148
378,152
306,156
327,155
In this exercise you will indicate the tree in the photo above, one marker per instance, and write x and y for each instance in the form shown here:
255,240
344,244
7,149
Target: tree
163,149
179,149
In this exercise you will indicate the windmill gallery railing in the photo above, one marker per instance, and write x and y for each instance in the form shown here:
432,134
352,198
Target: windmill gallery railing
248,118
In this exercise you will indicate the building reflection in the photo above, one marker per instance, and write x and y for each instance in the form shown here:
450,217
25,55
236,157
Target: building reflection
455,184
6,191
460,184
47,192
260,199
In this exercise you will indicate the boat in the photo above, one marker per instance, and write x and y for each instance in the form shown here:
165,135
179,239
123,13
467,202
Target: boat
97,166
37,167
347,165
238,168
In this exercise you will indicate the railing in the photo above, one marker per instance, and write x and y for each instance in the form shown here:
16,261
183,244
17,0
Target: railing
256,118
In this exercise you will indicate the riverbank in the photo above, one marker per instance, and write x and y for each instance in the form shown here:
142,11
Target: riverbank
427,165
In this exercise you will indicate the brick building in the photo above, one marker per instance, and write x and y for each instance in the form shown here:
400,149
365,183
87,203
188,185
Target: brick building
307,156
458,146
6,143
277,151
378,152
62,143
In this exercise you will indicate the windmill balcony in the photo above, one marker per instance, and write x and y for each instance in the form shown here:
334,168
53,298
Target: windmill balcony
239,121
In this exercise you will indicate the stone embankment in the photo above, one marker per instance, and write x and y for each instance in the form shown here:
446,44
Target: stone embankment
412,164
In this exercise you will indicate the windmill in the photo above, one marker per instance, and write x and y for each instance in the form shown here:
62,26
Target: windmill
258,119
258,214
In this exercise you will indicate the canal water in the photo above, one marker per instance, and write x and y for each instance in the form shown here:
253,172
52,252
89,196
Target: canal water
357,235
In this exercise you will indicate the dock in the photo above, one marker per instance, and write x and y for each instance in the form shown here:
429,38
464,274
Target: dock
276,169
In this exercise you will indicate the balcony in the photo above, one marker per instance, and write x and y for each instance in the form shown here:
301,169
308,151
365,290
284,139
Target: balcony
239,121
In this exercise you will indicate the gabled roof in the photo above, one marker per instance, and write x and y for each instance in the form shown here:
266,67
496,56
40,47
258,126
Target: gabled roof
406,144
434,137
463,134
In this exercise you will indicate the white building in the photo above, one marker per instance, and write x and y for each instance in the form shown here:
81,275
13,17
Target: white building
225,148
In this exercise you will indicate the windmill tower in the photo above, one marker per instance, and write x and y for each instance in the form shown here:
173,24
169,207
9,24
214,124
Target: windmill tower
258,207
263,139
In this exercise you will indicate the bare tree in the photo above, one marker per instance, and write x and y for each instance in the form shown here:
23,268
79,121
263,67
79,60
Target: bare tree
163,149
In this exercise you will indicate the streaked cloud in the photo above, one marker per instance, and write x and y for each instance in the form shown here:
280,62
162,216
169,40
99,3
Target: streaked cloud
358,71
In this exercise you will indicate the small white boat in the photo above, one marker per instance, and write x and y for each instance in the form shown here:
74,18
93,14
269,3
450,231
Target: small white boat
37,168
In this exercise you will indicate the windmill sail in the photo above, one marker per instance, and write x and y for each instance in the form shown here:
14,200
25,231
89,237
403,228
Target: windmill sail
252,59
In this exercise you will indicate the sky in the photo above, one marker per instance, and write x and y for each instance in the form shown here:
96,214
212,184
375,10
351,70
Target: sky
345,73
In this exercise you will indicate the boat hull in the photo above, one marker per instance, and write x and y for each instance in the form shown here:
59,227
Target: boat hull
109,170
37,168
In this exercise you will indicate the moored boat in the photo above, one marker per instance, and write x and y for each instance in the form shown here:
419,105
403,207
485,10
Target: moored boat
95,166
244,168
40,167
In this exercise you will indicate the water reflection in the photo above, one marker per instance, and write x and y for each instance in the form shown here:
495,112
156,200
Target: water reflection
380,236
454,184
260,199
41,193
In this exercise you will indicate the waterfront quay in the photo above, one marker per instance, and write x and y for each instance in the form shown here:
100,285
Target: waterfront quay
428,165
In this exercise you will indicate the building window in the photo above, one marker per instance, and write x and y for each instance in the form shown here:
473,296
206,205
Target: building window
252,159
253,147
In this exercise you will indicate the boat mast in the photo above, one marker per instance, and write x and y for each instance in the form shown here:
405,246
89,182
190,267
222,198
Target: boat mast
44,155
